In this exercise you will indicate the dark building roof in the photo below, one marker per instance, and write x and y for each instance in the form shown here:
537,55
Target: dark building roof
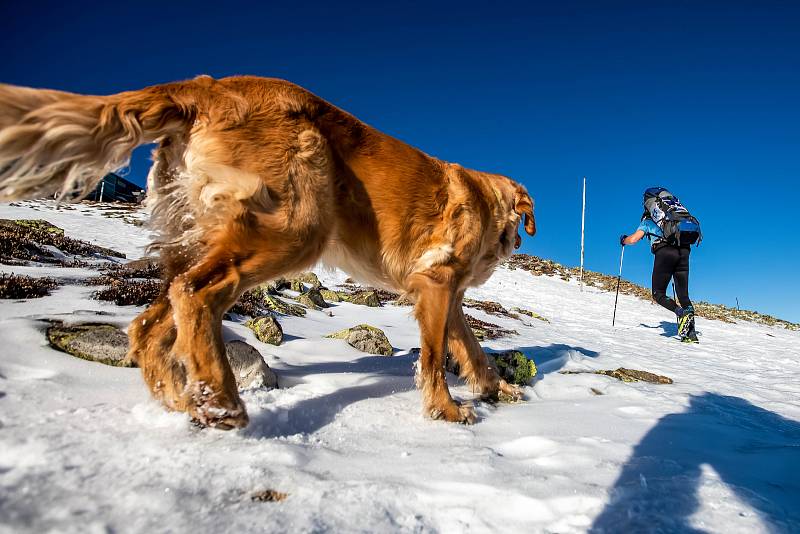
115,188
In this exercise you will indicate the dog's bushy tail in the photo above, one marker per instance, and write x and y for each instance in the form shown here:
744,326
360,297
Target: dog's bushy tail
52,142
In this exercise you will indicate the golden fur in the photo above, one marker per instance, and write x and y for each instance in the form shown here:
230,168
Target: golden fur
254,178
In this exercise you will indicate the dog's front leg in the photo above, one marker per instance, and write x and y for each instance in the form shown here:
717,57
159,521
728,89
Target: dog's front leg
434,297
474,366
199,297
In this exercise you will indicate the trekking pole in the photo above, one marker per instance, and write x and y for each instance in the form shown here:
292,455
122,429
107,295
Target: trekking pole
619,278
583,224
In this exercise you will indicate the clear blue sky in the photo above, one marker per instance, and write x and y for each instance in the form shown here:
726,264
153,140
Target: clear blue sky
702,98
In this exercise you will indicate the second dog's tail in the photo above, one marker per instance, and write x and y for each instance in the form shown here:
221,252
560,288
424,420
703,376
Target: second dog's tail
52,142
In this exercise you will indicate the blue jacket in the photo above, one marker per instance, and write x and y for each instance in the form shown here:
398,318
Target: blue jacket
651,231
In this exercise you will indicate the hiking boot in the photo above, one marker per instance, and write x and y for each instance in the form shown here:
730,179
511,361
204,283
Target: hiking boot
691,337
685,321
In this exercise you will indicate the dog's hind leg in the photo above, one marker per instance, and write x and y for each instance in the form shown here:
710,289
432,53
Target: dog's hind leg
241,257
153,332
152,335
473,364
434,298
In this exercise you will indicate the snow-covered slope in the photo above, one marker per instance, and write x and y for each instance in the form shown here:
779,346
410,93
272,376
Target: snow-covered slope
84,449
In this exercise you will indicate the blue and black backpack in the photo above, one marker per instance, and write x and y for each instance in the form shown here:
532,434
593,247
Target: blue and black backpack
679,227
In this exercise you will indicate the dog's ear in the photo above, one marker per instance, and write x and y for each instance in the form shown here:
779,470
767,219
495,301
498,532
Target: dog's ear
523,205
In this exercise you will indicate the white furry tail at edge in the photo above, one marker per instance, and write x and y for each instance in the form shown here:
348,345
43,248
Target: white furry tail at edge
53,142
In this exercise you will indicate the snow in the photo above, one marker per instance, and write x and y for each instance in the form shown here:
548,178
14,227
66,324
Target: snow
84,449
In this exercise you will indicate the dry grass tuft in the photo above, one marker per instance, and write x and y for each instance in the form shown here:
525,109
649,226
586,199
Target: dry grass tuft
14,286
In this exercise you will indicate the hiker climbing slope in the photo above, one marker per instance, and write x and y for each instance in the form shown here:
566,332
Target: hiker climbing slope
671,230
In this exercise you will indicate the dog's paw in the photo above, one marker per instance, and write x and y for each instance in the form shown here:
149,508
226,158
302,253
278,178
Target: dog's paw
214,409
455,412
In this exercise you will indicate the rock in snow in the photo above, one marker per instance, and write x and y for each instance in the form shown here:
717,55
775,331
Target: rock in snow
102,343
314,298
366,338
364,298
249,368
277,305
267,329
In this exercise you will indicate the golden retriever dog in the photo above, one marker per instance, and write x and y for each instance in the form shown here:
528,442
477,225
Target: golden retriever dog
254,178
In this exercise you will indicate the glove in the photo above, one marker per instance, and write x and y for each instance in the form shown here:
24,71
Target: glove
622,239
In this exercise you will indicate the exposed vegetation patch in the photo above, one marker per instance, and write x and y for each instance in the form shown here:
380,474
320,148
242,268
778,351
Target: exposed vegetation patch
125,292
365,292
531,314
136,283
490,307
268,495
729,314
37,240
365,295
626,375
538,266
484,330
720,312
14,286
249,304
141,268
514,367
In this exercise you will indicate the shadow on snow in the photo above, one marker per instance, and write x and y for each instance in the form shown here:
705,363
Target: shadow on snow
670,328
383,376
553,357
755,452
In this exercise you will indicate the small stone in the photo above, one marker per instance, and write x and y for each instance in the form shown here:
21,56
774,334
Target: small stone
267,329
101,343
365,338
249,368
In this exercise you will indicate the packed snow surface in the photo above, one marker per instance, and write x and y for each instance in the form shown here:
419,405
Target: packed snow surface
84,449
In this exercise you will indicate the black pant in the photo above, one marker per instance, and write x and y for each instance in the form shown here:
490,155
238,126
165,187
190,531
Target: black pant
671,262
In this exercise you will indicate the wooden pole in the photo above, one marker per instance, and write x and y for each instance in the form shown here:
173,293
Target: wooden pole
583,226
